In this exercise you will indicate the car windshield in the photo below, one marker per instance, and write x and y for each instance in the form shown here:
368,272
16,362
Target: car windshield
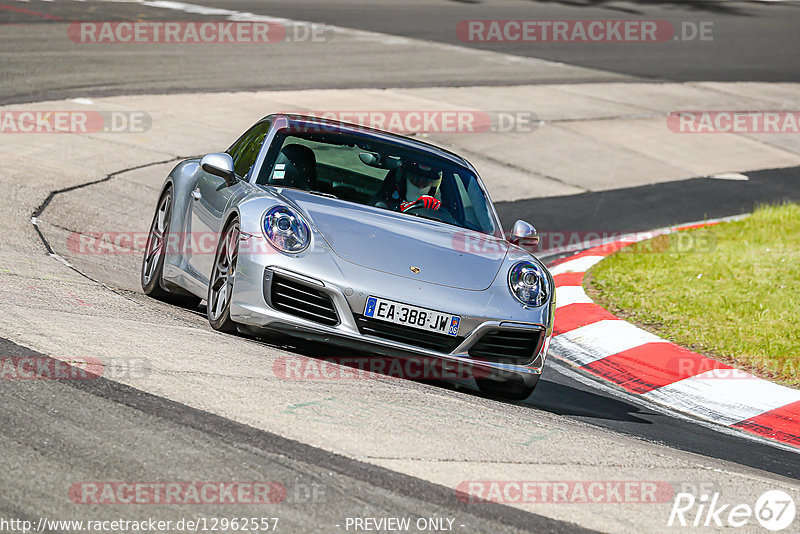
366,171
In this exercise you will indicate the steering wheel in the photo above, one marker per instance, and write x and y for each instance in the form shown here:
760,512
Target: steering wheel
439,215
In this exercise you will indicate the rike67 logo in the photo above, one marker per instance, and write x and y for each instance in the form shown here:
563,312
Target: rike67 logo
774,510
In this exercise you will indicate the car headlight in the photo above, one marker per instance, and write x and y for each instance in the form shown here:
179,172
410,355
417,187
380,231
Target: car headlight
286,230
528,283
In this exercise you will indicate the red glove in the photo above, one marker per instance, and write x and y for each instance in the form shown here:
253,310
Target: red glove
425,201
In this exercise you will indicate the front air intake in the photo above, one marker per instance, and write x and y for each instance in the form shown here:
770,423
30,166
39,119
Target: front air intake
508,346
299,299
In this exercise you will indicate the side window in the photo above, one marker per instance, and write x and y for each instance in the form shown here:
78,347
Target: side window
245,151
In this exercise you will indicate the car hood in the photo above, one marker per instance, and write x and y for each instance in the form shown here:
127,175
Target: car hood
399,244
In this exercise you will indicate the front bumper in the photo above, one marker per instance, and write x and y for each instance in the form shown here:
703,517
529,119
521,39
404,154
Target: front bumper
348,286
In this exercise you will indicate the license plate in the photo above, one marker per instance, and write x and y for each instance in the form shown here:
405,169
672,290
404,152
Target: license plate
412,316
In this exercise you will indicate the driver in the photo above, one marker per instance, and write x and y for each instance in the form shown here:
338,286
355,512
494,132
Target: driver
410,186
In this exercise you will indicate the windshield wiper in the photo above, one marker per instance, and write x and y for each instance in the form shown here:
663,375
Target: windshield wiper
318,193
322,194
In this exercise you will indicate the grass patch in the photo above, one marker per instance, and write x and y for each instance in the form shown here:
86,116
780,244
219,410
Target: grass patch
730,291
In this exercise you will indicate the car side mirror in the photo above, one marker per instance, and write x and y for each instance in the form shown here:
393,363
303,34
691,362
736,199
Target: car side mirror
524,234
221,165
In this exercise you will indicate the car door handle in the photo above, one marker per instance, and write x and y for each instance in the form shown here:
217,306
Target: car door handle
196,194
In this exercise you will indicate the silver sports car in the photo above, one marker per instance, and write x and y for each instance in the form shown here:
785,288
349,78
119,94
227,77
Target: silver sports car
340,233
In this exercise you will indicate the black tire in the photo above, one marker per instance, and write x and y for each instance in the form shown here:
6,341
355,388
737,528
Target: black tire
220,285
513,388
153,260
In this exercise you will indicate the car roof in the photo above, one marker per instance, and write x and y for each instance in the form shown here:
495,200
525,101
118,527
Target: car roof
300,121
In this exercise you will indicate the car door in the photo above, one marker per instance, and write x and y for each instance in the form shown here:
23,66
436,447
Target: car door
211,196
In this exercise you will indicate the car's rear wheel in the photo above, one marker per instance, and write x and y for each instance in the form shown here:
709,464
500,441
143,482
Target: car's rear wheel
515,387
220,288
154,254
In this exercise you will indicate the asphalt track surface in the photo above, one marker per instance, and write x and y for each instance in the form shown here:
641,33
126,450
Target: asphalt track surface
643,208
752,41
199,443
61,429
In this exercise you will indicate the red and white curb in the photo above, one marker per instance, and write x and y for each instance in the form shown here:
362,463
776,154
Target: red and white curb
597,342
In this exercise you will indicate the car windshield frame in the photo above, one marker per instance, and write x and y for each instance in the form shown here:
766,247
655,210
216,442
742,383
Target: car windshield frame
466,205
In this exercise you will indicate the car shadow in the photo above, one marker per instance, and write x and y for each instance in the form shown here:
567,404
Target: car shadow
552,394
563,399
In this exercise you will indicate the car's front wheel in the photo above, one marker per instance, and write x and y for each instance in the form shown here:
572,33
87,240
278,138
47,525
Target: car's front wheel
220,288
154,253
